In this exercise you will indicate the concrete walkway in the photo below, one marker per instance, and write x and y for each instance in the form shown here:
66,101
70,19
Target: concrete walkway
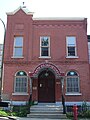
46,119
39,119
25,118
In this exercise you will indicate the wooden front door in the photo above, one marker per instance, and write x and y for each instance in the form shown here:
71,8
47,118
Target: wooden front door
46,87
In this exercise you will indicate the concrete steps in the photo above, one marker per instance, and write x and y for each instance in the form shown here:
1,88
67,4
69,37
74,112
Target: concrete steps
46,111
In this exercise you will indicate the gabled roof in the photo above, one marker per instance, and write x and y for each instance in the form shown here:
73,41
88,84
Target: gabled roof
24,9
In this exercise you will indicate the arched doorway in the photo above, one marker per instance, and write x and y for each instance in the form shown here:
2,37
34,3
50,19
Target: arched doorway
46,86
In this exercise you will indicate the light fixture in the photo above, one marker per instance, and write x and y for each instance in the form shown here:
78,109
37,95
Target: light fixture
46,74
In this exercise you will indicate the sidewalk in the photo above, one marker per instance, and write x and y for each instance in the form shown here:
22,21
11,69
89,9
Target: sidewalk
47,119
25,118
39,119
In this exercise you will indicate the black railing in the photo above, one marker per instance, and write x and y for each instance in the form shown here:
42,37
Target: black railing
63,103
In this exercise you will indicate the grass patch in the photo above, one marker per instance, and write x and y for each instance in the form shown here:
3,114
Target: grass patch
3,113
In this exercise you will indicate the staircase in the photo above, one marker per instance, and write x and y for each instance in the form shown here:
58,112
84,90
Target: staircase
46,111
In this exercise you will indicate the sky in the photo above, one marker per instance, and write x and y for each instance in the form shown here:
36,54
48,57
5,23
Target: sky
46,8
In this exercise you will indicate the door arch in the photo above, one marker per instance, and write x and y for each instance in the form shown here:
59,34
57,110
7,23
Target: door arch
46,86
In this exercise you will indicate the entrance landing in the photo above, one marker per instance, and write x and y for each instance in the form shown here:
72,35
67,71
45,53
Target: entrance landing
46,110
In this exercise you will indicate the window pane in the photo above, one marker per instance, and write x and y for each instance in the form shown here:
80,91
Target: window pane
21,73
72,84
72,73
21,84
44,51
18,46
71,51
71,41
18,52
44,41
18,41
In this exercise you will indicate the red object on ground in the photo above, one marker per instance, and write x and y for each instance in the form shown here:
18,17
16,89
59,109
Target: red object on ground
75,112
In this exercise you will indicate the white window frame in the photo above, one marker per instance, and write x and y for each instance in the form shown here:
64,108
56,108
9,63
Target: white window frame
14,47
18,92
45,46
68,56
73,93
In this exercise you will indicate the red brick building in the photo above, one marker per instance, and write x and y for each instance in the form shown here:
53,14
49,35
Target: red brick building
45,58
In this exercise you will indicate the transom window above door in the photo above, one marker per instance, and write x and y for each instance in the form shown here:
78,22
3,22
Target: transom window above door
44,46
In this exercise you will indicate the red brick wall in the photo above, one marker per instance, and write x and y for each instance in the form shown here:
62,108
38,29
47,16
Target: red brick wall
23,24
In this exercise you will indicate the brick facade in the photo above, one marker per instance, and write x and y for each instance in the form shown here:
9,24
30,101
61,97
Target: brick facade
22,23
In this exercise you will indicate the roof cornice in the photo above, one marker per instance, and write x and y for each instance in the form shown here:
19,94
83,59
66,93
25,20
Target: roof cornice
60,18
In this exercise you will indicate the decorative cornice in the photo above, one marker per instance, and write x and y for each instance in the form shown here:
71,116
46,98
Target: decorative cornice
60,18
58,24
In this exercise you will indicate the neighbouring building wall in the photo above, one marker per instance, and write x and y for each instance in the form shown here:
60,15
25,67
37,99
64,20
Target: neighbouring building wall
1,53
89,47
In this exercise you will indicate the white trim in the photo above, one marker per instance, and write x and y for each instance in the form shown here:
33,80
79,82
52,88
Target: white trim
16,57
59,18
15,47
22,8
73,103
72,57
71,94
77,103
20,93
57,103
71,46
45,46
45,57
17,102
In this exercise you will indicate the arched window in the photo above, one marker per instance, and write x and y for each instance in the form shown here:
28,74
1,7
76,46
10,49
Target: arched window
72,82
21,82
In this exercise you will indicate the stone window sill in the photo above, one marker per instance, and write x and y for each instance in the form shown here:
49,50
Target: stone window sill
72,57
17,57
20,94
44,57
72,94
